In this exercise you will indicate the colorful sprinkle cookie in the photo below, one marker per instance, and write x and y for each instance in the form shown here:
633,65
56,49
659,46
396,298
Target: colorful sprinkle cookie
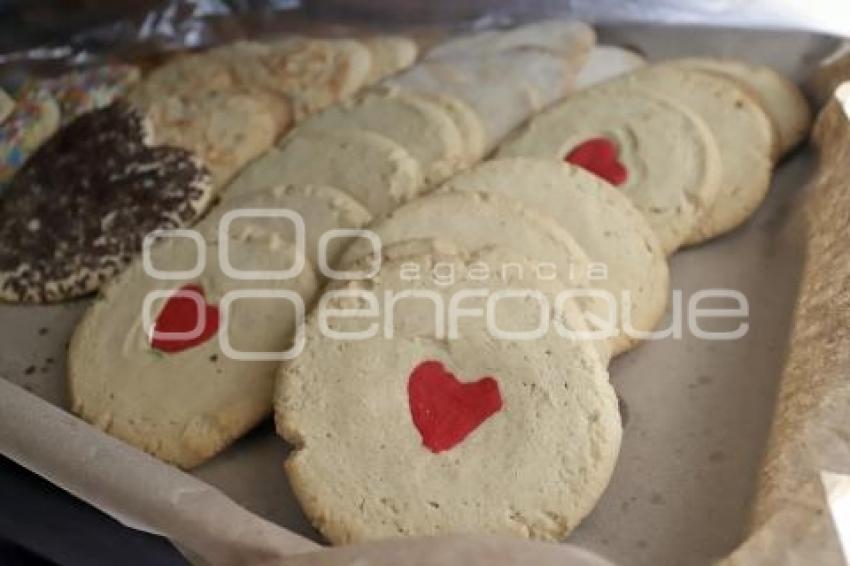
7,105
35,118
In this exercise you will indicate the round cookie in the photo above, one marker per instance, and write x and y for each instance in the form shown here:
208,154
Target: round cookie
77,212
226,128
744,136
34,119
467,121
320,208
7,105
420,435
373,169
476,220
504,89
565,37
780,98
311,73
183,75
600,218
632,139
202,76
605,62
184,400
390,54
424,129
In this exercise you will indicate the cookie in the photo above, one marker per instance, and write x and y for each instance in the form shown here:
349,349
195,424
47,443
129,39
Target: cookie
184,75
600,218
476,220
390,54
422,435
780,98
604,62
184,399
744,136
85,90
35,118
469,125
227,129
373,169
424,129
311,74
504,89
564,37
631,139
320,208
7,105
203,76
77,212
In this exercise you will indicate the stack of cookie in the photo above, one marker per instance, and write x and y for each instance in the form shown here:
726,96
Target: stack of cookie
229,104
421,404
691,142
77,213
467,422
337,169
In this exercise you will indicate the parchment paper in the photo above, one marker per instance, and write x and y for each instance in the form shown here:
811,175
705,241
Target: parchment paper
697,413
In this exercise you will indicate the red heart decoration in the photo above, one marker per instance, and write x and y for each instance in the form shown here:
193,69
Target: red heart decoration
180,314
444,410
599,156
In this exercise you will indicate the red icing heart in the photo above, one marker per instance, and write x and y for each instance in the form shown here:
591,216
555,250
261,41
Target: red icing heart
444,410
180,314
599,156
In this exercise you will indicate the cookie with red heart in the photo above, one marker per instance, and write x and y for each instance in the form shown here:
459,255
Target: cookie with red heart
165,382
418,432
660,155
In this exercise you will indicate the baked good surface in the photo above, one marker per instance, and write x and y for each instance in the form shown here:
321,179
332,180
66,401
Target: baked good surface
504,88
476,220
77,212
319,209
743,133
390,54
420,126
781,99
603,222
658,154
373,169
309,73
559,36
477,434
225,128
604,62
172,392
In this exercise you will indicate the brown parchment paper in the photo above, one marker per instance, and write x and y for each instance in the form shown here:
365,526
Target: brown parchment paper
802,493
697,413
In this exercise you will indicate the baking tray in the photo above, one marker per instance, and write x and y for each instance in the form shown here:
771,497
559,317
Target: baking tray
697,413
